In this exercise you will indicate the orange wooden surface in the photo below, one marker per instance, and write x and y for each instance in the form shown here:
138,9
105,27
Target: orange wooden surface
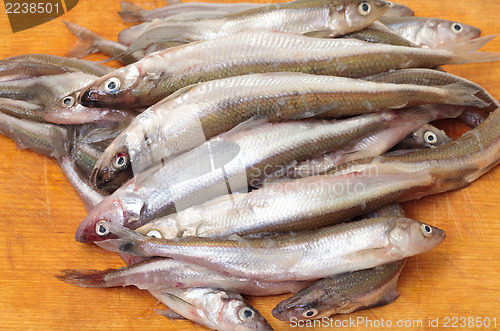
39,212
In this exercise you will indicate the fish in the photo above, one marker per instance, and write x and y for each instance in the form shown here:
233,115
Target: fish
158,272
192,115
22,109
132,13
89,42
427,136
214,308
35,65
305,255
160,74
67,110
237,212
454,165
299,16
45,90
431,32
30,134
318,201
343,294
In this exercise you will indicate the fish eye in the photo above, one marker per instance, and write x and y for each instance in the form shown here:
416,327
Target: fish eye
427,230
430,137
154,234
120,161
391,4
101,230
112,85
364,8
246,314
68,101
311,312
456,27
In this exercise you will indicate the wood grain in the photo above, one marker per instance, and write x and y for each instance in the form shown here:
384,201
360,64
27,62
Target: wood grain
40,211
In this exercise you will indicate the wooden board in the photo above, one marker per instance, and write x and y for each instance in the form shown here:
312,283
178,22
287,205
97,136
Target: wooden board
39,212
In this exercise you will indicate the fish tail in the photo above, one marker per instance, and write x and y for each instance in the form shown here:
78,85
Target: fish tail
84,278
471,45
86,41
131,13
463,95
474,57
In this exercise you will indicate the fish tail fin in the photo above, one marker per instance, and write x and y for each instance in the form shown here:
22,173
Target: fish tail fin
84,278
474,57
86,41
463,95
131,13
471,45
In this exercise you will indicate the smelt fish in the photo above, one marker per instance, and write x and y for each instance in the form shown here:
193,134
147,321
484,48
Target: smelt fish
294,256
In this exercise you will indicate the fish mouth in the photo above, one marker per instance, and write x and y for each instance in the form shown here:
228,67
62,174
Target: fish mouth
91,98
86,234
95,98
83,234
110,181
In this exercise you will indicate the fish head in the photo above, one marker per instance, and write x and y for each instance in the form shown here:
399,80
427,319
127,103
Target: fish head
429,136
450,33
113,168
67,110
114,173
114,90
110,209
359,14
411,237
237,314
306,304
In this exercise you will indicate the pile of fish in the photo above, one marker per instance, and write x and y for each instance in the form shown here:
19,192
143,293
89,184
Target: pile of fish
258,149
